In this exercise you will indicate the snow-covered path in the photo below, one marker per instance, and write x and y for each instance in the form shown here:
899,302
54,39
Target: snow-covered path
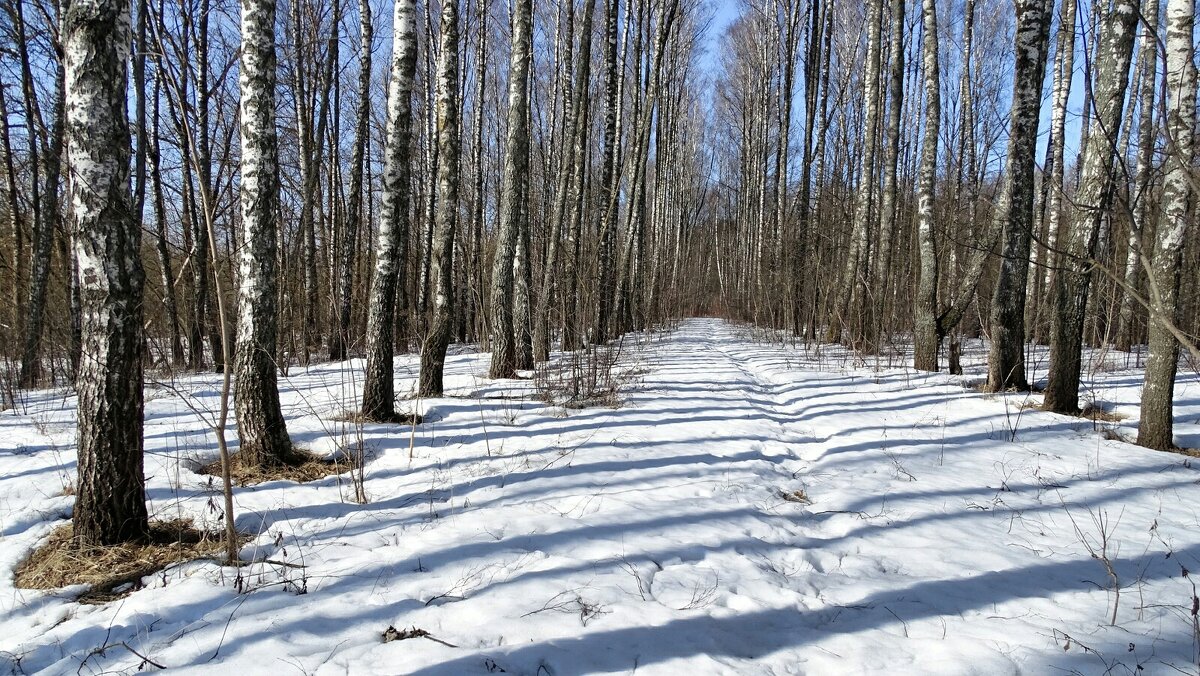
946,531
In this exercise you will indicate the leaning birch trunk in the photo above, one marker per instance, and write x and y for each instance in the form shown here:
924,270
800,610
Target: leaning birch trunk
569,291
339,342
1006,361
512,192
392,240
1070,292
433,352
203,155
609,185
1154,431
627,268
475,270
261,428
887,203
1042,249
160,220
925,332
851,274
110,503
43,236
1148,60
541,313
1063,75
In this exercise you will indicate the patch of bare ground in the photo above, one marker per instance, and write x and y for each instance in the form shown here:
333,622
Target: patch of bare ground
301,466
114,571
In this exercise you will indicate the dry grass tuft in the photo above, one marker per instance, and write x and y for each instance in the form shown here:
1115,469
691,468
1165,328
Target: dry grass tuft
798,496
356,418
301,467
1189,452
114,571
1098,413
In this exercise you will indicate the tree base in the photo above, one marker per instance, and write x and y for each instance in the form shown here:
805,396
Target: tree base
299,466
114,571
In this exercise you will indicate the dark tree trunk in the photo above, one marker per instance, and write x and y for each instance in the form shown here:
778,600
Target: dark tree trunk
1006,363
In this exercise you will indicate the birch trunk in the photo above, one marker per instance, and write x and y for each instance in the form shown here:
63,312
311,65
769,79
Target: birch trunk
160,221
1056,161
340,340
887,205
1092,202
925,332
569,292
261,427
387,286
49,211
110,503
608,199
541,319
15,221
512,192
433,352
1006,361
1154,431
852,278
1148,61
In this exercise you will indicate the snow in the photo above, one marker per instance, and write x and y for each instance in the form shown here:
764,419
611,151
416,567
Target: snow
948,530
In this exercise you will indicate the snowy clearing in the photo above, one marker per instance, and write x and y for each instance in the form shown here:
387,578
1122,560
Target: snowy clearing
926,528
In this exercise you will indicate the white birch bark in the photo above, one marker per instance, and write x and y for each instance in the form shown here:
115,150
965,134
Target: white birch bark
110,503
1155,429
1071,285
512,192
433,352
261,427
926,338
391,243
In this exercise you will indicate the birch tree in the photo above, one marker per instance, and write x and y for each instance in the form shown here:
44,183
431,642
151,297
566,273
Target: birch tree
1158,391
388,297
433,352
46,196
1147,70
1006,360
339,341
1054,170
1092,198
110,503
261,427
852,275
608,195
513,193
926,338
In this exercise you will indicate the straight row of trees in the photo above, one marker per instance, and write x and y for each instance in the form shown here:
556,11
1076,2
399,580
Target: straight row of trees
530,173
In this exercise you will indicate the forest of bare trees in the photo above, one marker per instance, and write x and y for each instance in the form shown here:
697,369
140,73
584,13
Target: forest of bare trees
197,185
